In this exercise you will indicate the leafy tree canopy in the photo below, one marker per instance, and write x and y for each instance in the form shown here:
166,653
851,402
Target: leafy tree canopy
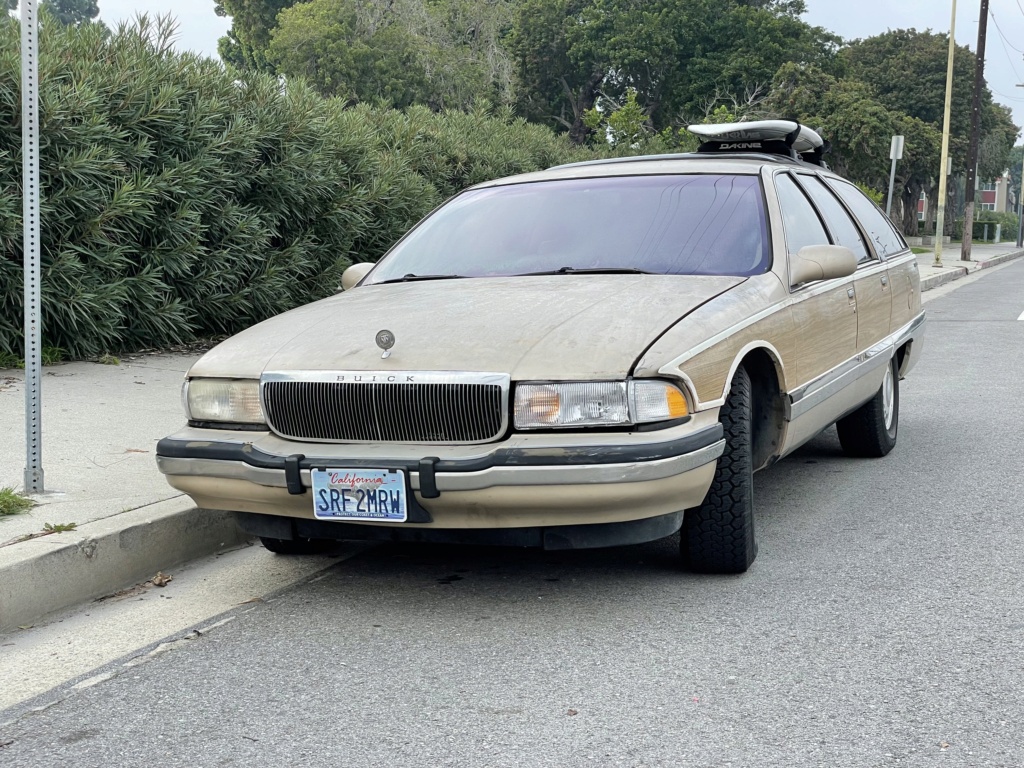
444,54
674,56
69,12
245,44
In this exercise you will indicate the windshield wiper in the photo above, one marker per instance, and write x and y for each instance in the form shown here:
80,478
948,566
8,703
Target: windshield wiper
588,271
412,278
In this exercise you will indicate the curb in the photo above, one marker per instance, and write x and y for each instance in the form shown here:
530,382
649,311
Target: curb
52,573
1001,259
955,273
934,281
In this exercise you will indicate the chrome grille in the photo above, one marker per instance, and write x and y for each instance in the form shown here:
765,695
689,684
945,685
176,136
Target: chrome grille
386,407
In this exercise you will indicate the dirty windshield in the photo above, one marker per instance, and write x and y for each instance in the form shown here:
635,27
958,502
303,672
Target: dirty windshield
674,225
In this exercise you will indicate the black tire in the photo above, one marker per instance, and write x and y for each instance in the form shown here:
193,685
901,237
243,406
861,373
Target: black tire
718,536
870,431
297,546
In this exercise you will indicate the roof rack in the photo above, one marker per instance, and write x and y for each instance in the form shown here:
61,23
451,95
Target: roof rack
745,155
786,138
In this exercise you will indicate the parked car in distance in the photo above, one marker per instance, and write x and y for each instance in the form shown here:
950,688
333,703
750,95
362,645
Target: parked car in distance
597,354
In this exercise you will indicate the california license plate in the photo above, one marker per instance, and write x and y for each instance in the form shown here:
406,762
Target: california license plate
359,494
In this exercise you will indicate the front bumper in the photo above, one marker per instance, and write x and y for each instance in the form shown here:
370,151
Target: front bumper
526,481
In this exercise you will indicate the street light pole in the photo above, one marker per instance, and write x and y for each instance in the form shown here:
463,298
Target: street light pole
940,217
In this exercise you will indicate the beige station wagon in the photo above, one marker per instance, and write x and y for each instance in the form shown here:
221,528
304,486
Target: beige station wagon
597,354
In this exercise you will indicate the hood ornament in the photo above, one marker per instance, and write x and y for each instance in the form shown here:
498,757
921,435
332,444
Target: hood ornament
385,340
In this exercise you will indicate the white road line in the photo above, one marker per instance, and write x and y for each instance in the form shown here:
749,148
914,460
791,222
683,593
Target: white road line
1021,316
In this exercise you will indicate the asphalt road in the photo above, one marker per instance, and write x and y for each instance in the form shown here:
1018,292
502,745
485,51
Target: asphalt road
881,625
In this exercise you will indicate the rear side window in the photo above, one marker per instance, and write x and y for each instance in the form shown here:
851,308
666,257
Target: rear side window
803,227
844,231
886,240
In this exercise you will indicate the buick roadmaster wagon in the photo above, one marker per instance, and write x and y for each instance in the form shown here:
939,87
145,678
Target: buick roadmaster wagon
597,354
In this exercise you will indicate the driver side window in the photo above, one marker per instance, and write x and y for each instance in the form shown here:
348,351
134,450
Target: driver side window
801,222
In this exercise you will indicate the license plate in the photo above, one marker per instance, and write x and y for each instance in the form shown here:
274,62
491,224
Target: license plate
359,494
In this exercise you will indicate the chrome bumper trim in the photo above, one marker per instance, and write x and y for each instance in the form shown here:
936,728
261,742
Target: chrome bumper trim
492,477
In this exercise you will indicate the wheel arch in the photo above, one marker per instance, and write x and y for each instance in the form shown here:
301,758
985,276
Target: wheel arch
768,417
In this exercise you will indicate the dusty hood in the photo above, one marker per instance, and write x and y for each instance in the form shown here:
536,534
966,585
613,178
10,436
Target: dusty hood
558,327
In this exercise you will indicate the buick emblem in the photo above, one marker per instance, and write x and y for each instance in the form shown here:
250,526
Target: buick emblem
385,340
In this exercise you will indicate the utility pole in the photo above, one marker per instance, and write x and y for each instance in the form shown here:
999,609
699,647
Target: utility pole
1020,210
940,217
972,152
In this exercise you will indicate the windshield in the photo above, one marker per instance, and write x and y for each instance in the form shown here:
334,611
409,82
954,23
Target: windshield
671,225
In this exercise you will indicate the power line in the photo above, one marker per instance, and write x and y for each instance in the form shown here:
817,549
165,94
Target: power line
1006,50
1004,96
1006,40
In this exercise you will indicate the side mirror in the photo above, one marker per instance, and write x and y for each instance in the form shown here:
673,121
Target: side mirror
350,277
821,262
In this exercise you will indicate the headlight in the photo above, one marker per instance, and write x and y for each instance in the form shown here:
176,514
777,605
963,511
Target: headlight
228,400
597,403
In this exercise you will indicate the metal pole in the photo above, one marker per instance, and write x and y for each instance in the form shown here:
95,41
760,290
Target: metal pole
30,195
940,214
892,183
972,150
895,153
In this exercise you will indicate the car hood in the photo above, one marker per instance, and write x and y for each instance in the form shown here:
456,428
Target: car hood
557,327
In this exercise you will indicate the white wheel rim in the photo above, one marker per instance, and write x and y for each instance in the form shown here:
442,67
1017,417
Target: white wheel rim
888,397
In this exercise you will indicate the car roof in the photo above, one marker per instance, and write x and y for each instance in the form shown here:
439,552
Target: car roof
652,165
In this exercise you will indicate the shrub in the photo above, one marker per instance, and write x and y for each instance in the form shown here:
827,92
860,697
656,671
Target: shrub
180,201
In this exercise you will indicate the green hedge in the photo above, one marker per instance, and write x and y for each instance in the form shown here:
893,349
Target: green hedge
181,202
1007,219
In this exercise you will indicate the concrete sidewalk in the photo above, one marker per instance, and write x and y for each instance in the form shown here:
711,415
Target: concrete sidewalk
101,424
982,257
100,428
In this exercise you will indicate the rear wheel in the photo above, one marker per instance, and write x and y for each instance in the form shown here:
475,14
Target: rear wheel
297,546
718,536
870,431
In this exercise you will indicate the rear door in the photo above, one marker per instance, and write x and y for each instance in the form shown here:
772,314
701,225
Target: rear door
891,248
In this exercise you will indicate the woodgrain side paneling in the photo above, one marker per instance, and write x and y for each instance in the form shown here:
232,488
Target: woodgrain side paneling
710,370
906,291
874,306
827,324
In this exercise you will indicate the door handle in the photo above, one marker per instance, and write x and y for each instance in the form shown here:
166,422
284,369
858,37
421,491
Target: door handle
850,293
885,280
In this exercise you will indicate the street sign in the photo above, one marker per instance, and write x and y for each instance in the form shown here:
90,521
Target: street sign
896,148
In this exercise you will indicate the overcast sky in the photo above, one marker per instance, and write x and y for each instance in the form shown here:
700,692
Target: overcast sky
199,28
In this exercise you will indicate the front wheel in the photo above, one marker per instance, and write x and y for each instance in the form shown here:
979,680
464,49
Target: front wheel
718,536
870,431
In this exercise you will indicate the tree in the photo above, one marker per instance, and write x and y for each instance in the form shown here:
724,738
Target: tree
443,55
906,71
860,128
572,53
70,12
245,45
